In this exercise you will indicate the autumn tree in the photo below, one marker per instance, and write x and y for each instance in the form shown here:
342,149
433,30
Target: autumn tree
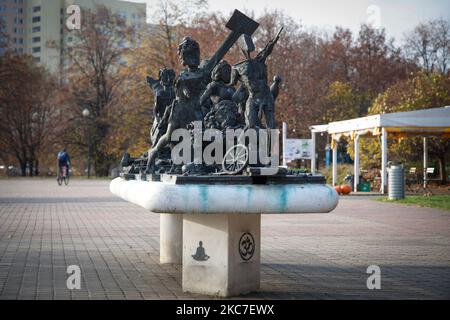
429,45
172,17
28,109
95,62
377,65
419,92
341,102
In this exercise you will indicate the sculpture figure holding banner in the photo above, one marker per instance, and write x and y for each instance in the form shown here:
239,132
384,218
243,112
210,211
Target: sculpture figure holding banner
252,73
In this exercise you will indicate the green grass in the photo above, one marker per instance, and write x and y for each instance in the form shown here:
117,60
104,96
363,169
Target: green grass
437,201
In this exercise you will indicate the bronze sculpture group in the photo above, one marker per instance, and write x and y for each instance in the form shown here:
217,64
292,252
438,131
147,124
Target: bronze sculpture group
204,91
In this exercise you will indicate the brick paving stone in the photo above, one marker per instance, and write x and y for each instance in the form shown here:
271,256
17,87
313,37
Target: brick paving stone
45,228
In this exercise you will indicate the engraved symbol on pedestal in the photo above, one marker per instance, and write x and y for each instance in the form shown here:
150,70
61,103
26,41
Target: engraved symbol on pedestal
200,254
246,246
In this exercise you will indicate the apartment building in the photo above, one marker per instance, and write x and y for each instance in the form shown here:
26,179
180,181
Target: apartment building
38,27
13,19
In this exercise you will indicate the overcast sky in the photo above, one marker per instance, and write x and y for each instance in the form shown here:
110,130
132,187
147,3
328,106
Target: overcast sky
397,16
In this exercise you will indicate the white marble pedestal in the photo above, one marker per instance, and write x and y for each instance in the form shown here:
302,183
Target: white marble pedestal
221,253
170,238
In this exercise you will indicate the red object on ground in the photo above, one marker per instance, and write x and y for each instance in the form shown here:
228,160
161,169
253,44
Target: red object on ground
338,189
346,189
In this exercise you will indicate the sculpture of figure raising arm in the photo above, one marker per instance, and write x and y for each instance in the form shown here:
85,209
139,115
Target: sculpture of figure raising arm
262,56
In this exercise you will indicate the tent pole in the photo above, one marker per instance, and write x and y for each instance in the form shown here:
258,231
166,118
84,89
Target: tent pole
356,165
335,163
313,147
384,150
425,161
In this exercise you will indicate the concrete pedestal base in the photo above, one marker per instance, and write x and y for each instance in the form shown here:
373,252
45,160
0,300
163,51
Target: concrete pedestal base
171,238
219,237
221,253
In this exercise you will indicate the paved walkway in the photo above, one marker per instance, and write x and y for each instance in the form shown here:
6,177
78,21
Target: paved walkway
45,228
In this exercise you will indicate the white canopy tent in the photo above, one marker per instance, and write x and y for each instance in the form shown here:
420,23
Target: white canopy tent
425,122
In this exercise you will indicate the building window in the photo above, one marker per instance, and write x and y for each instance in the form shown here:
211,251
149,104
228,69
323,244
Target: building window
36,59
20,40
36,39
37,9
2,9
20,50
36,29
36,49
36,19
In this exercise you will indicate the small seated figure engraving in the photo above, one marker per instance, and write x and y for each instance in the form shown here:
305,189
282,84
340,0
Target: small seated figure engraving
200,254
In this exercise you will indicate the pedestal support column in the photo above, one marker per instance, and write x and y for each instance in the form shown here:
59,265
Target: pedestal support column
170,238
221,253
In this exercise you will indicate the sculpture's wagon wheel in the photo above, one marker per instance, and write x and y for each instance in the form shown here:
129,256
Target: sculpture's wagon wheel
235,159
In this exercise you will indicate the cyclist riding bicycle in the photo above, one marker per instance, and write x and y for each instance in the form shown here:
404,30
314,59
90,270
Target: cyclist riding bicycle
63,163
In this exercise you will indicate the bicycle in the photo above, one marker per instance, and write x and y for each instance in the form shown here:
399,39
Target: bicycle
63,175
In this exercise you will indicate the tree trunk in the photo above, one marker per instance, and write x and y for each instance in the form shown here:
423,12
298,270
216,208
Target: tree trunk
442,169
23,168
30,167
36,167
101,165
